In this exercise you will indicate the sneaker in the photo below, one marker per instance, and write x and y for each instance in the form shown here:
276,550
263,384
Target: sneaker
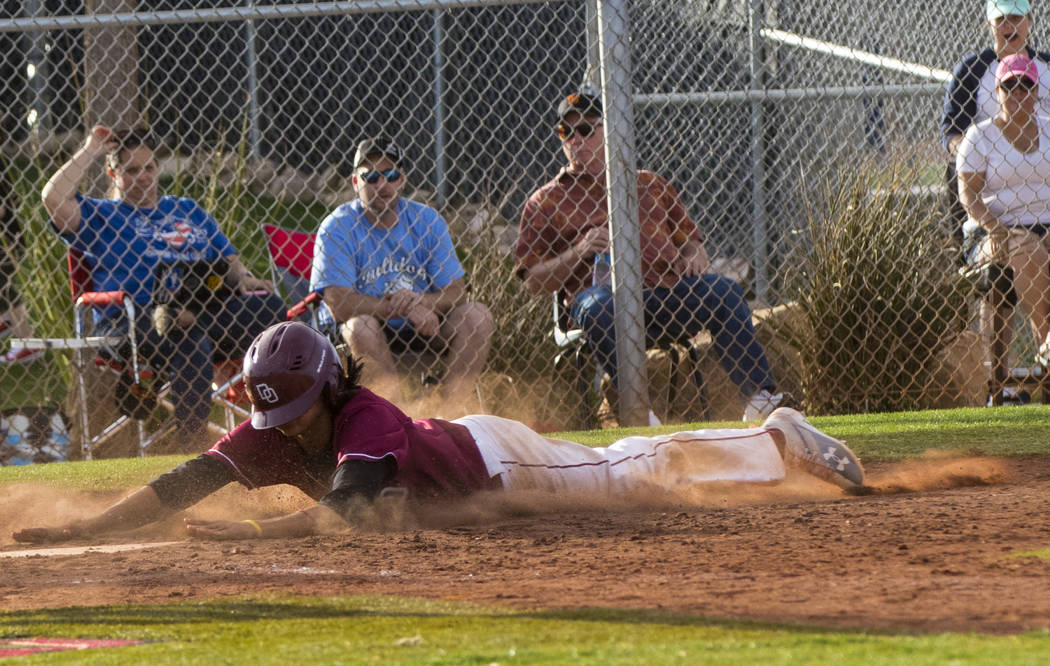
762,404
1042,357
21,356
814,452
1011,397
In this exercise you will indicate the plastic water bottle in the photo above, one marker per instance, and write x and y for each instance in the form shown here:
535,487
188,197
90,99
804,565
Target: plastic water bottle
602,269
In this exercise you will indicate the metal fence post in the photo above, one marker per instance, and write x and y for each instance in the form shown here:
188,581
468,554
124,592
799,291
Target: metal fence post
251,60
621,179
759,230
440,180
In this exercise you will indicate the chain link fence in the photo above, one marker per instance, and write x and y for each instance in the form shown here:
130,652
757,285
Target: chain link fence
800,139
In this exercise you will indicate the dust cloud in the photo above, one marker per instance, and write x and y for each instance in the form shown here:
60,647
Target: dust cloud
936,470
28,505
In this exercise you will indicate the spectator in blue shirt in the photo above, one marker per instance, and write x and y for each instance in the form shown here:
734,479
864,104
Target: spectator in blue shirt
390,277
149,246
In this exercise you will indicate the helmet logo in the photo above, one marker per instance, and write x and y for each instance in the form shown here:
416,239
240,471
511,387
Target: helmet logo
266,392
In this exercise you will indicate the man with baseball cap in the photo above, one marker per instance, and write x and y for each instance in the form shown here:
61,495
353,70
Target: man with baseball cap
390,277
564,237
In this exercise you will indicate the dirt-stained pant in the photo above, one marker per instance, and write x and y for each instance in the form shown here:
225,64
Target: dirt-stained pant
526,460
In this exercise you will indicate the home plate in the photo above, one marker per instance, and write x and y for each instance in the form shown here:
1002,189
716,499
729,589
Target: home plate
80,550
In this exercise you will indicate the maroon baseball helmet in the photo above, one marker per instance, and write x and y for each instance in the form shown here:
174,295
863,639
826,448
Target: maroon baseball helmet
285,370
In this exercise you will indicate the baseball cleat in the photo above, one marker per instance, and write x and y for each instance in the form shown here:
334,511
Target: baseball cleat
814,452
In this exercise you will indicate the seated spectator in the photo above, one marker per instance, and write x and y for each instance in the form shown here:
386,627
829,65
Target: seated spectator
198,303
390,276
564,228
1004,169
971,95
14,320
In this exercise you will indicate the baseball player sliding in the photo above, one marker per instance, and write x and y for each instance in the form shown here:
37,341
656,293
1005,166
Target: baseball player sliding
313,426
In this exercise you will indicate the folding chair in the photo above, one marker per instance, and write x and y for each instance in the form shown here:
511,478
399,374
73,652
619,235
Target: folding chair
137,378
291,260
572,342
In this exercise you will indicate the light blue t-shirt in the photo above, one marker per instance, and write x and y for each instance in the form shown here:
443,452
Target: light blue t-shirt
416,253
125,244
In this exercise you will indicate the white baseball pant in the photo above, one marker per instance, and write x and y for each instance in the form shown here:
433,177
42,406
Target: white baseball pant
526,460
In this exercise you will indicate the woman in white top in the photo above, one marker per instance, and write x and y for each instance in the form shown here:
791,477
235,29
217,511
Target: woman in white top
1004,183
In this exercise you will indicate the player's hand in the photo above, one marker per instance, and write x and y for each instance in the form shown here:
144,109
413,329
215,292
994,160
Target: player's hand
424,320
220,530
47,534
100,140
402,302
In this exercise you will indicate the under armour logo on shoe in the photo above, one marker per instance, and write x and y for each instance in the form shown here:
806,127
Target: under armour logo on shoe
832,456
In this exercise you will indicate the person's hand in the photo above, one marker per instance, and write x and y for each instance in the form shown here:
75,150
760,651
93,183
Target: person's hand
998,244
47,534
221,530
691,260
402,302
424,320
100,140
592,242
250,283
185,318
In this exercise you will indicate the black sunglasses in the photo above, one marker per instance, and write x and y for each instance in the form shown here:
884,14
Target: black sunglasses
565,131
372,177
1017,83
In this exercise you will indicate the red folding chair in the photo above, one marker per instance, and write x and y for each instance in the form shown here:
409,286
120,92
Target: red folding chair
139,379
291,260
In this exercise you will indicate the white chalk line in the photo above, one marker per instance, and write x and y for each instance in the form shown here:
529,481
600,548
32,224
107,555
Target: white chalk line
81,550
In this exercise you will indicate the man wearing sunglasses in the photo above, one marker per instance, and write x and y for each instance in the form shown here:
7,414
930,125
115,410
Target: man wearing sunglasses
390,277
563,243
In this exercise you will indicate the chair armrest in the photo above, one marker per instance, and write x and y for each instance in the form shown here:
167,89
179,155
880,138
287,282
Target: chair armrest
312,299
102,299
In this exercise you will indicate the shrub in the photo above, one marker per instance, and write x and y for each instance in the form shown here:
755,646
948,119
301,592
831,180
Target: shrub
877,293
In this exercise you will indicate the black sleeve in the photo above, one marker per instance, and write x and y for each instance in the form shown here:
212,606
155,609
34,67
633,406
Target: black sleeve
356,480
960,98
191,482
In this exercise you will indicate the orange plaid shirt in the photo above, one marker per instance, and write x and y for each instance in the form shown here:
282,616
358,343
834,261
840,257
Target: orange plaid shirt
558,213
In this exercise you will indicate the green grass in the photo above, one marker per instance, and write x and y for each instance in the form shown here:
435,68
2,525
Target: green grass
371,630
1002,431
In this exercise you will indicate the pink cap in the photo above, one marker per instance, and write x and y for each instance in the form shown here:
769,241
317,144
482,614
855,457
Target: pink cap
1017,64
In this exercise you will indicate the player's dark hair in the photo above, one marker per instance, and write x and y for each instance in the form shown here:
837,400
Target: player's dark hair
348,387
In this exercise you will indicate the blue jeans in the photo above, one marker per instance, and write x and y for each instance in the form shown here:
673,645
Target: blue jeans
188,354
711,302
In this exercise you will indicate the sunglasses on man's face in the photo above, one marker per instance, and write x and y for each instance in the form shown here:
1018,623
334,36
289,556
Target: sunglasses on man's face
372,177
565,131
1018,83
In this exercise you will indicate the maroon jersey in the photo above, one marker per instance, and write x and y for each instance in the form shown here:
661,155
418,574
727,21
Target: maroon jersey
432,457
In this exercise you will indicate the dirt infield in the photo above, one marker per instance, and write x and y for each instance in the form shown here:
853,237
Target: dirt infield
932,550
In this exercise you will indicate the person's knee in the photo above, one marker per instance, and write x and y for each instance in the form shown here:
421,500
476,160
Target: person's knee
727,290
363,333
472,319
593,307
